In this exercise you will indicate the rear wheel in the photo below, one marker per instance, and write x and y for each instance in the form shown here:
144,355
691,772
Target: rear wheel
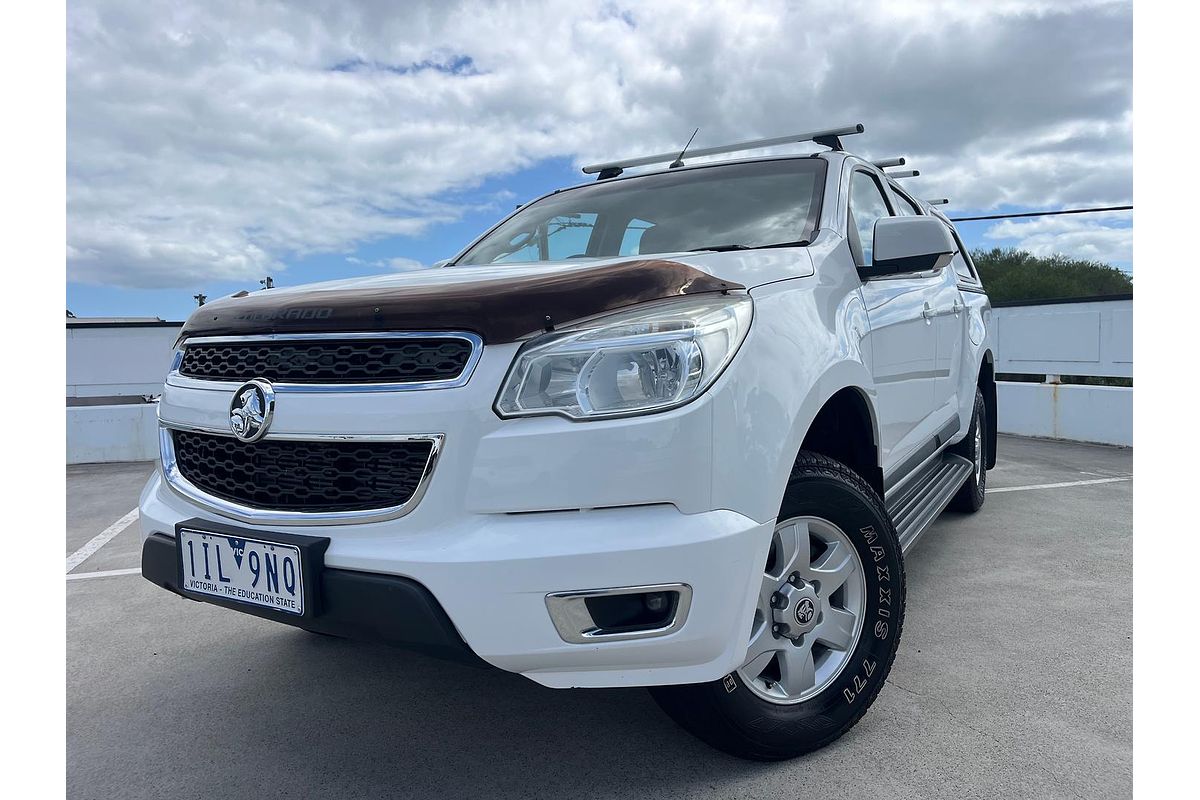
825,630
971,494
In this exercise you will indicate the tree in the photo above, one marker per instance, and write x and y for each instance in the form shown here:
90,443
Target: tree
1011,274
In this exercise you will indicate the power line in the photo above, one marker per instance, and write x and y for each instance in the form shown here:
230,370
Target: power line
1043,213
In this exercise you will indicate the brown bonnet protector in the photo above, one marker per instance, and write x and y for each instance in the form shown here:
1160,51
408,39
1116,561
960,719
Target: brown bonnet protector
500,309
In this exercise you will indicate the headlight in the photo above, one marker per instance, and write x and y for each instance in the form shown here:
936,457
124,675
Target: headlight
652,358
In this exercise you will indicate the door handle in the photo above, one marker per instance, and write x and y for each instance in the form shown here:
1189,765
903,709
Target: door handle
928,313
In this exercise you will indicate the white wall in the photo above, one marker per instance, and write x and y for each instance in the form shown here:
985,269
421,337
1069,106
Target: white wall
1090,338
112,433
118,360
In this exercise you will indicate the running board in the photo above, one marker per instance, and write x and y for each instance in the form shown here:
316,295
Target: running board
920,502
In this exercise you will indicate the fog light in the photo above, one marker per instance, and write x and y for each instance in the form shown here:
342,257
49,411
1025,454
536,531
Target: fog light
630,612
656,602
633,611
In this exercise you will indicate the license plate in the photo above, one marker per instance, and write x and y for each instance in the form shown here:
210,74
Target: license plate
266,574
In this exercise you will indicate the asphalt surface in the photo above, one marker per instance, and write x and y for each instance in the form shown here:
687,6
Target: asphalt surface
1013,679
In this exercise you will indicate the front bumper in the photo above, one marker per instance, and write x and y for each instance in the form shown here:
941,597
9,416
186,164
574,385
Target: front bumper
517,510
357,605
488,576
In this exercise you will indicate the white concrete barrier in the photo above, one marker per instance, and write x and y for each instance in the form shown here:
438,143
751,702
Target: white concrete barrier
112,433
1102,414
1090,337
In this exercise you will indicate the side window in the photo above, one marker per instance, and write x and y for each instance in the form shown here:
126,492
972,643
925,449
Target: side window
905,207
962,261
631,240
568,235
867,205
525,248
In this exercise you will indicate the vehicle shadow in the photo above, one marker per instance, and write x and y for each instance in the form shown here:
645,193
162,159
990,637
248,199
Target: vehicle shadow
345,719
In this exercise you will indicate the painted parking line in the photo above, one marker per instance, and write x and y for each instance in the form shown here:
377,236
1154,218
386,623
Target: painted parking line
99,540
108,573
1063,485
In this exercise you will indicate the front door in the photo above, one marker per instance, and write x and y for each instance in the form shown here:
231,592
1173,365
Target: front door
902,341
903,351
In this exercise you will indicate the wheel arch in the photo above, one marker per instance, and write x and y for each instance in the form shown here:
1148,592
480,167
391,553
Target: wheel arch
845,430
839,420
987,385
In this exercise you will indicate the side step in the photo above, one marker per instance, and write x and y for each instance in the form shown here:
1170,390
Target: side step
920,502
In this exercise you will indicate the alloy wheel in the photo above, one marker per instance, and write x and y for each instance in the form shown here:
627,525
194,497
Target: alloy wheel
810,612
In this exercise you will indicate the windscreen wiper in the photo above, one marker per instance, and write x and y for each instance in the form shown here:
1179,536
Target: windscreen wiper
721,248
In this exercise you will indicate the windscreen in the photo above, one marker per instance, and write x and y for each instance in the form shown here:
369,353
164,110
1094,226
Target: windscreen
733,206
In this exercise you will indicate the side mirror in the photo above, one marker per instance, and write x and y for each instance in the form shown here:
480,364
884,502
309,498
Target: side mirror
909,244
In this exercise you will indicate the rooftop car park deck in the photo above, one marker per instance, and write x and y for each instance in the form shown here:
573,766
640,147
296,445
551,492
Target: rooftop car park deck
1013,677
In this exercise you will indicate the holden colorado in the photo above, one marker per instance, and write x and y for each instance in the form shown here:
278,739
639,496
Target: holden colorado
674,429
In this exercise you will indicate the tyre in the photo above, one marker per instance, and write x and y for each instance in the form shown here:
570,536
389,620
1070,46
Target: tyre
971,494
825,630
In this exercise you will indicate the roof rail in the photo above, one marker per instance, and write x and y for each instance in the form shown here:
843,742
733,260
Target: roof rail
941,201
889,162
904,173
829,137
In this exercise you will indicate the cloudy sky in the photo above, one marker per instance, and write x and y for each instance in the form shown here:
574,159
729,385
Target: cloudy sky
212,143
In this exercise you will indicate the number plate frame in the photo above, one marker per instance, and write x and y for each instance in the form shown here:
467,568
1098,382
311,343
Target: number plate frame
312,564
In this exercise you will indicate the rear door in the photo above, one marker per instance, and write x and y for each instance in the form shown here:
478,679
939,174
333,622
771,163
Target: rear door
902,337
950,324
960,358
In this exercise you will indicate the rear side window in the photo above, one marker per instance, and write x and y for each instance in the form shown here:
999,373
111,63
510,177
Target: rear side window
867,204
905,207
962,260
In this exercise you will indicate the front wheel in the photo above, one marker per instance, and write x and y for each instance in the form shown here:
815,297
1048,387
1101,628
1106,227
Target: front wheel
825,630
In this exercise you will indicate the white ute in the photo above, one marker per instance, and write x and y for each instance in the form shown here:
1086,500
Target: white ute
673,429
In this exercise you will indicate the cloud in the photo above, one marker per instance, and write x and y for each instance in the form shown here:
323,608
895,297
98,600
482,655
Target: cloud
405,264
397,264
221,139
1072,236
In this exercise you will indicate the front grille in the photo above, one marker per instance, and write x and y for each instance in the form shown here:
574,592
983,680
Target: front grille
313,476
331,361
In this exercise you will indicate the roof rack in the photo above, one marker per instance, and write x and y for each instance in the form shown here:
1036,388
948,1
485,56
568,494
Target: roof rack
904,173
829,137
941,201
890,162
